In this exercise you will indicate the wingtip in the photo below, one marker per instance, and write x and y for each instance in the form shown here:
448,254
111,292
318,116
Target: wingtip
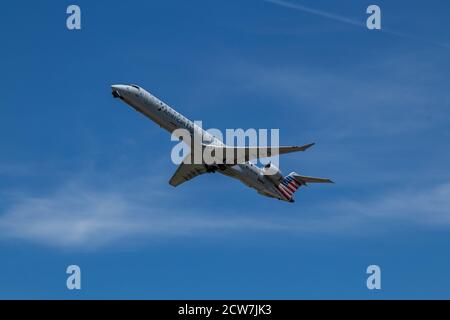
305,147
172,183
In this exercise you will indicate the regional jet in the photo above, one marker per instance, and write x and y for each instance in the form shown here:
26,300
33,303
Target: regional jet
267,181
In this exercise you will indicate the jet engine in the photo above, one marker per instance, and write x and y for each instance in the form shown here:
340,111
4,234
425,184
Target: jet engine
272,172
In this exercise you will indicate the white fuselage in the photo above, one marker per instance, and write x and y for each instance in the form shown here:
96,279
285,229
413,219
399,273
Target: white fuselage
169,119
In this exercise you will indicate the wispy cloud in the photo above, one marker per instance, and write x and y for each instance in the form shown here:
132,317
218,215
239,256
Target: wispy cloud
386,97
82,216
421,206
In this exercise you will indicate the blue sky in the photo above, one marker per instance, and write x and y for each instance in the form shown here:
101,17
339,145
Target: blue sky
84,178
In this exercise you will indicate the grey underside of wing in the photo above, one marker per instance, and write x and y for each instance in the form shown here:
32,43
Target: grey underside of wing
243,154
186,172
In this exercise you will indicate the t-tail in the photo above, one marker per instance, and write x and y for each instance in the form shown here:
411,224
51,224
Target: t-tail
293,181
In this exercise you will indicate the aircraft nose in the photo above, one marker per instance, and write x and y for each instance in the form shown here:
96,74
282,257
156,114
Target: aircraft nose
118,90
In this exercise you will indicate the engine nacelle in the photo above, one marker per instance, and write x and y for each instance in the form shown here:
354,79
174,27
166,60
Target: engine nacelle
272,172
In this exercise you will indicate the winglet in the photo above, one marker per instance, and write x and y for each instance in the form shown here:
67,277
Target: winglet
305,147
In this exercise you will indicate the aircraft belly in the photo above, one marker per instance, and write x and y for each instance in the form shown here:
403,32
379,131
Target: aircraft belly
236,172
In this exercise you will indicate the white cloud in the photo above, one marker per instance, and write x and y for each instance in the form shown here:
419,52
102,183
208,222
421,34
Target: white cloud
423,206
83,216
382,98
70,217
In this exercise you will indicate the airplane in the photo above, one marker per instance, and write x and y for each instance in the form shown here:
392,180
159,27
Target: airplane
268,180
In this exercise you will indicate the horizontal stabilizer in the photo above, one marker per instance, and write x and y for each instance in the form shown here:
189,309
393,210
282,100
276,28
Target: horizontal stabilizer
304,179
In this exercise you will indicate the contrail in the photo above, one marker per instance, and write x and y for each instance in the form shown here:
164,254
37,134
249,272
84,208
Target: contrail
320,13
342,19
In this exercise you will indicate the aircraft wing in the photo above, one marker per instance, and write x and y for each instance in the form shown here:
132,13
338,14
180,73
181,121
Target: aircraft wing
237,155
186,172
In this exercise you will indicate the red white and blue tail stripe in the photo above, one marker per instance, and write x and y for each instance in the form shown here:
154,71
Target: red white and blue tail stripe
288,186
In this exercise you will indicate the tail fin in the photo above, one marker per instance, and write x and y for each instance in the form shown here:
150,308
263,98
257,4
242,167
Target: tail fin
293,181
289,185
